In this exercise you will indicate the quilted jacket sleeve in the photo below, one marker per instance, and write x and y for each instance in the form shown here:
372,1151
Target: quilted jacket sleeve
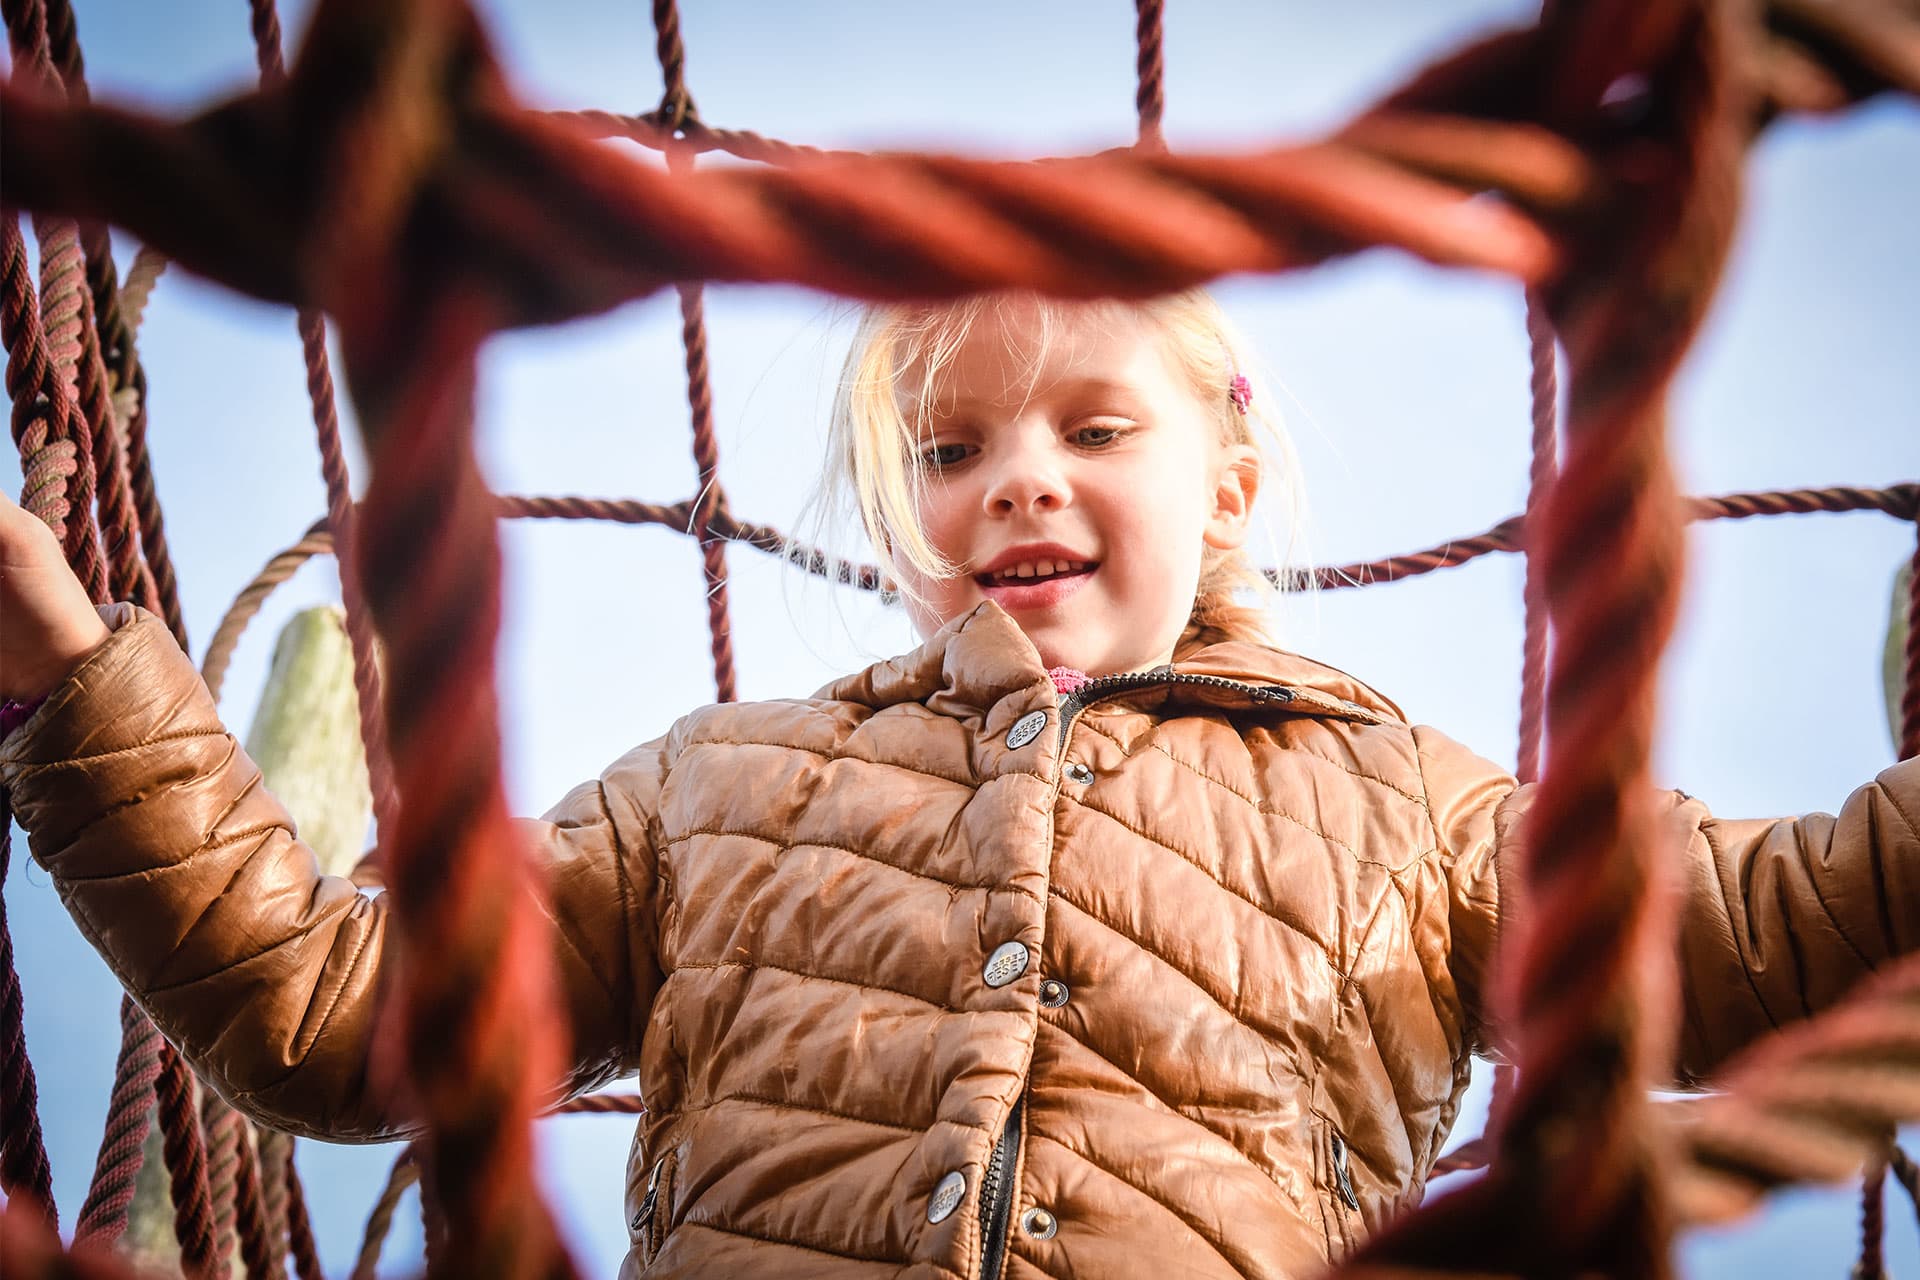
1778,917
188,877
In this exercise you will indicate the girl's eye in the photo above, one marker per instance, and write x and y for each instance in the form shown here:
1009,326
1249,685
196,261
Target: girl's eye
935,457
1097,437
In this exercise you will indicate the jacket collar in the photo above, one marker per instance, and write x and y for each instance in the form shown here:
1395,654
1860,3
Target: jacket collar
982,657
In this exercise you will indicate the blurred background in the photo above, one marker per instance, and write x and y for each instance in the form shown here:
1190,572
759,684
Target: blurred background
1405,389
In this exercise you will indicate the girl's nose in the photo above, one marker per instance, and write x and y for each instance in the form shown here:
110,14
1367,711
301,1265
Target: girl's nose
1027,480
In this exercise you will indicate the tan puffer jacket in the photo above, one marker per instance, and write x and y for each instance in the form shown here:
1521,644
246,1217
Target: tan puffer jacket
940,974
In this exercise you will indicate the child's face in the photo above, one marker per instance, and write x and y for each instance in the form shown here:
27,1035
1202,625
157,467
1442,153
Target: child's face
1079,494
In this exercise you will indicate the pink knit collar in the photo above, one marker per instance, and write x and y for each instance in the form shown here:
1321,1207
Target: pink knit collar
1067,679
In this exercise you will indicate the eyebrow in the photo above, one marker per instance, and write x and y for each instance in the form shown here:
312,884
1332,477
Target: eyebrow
961,405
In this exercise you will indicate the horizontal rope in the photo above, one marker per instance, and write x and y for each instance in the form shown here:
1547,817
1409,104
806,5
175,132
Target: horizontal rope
1901,501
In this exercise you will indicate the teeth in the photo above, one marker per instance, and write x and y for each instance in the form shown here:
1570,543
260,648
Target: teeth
1039,569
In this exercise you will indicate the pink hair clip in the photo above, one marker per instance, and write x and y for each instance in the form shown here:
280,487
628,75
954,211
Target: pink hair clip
1240,391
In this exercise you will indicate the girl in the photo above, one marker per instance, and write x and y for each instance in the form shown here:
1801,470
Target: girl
1095,937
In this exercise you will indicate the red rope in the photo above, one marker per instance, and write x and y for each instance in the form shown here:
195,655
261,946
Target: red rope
404,1174
677,104
265,24
186,1157
477,1027
1149,65
30,1250
1910,700
130,1110
47,426
1872,1264
221,1126
1545,390
306,1257
25,1174
256,1247
111,340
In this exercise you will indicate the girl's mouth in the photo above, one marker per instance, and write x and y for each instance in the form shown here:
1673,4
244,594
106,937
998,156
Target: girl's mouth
1039,585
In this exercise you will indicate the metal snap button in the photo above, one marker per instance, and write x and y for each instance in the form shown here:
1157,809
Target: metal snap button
1053,993
1008,961
1039,1224
1026,729
1077,772
947,1197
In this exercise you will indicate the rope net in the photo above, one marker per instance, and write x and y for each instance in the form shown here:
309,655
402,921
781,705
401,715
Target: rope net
1612,134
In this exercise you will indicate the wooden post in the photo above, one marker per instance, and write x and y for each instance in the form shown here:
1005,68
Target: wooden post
306,740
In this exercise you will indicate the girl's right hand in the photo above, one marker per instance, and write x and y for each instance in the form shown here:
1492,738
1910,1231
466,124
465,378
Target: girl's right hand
47,621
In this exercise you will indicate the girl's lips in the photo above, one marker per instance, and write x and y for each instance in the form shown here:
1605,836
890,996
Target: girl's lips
1019,595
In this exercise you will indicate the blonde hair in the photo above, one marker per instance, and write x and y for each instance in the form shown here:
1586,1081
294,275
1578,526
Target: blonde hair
872,466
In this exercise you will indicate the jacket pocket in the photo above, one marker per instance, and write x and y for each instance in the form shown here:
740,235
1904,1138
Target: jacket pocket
654,1217
1337,1198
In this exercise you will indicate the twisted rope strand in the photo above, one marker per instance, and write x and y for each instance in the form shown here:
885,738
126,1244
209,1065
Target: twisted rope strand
130,1111
333,470
221,1125
186,1157
25,1174
404,1175
480,1042
1910,699
109,334
676,104
1149,65
1872,1263
1545,391
306,1257
257,1251
1897,500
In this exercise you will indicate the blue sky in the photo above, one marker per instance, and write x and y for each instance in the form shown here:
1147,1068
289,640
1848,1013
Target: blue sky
1406,393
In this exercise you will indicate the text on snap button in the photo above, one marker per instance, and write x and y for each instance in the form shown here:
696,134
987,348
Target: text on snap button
1026,729
1008,961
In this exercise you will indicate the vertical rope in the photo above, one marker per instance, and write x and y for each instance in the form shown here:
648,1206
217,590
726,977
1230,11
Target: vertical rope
276,1167
265,24
130,1109
130,575
1545,392
222,1127
62,273
28,34
1149,95
706,504
55,451
676,107
478,1033
111,340
1910,700
257,1249
306,1257
1872,1263
186,1158
25,1174
404,1174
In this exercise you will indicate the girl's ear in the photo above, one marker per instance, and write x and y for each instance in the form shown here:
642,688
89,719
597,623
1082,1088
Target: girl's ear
1236,485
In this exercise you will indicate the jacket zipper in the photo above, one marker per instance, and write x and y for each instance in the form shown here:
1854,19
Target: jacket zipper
996,1184
996,1194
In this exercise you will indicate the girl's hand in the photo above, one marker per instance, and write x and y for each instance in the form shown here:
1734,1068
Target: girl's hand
47,621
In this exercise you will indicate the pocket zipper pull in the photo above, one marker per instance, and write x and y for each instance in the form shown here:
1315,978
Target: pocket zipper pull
1340,1171
643,1216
